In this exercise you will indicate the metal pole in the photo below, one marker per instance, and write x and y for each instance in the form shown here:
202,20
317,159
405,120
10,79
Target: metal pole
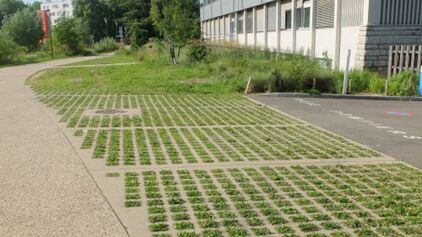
346,74
50,35
105,21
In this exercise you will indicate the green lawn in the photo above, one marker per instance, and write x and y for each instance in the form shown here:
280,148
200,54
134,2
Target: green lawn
222,73
144,78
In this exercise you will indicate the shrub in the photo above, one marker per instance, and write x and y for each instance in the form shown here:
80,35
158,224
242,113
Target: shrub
66,34
105,45
296,70
198,52
366,81
264,82
324,82
8,49
403,84
25,28
138,34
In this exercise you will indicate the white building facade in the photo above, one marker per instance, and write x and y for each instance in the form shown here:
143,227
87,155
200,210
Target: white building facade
57,9
318,28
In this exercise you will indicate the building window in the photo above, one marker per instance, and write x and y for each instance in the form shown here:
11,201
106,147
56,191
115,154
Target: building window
288,19
306,17
215,27
260,19
271,17
232,24
249,21
303,18
227,25
299,18
240,20
221,31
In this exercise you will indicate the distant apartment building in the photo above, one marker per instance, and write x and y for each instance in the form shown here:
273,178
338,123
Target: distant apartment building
317,27
57,9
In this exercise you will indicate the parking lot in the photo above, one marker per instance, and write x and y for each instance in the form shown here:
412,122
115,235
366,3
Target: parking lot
391,127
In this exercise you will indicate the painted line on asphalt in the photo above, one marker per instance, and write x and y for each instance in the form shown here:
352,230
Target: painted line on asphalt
307,102
377,125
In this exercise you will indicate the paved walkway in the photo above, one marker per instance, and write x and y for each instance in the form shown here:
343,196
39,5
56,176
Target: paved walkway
45,190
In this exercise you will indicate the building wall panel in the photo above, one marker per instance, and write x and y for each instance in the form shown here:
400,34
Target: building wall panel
352,12
303,43
325,13
227,6
349,41
272,40
260,40
216,8
286,40
325,38
401,12
251,39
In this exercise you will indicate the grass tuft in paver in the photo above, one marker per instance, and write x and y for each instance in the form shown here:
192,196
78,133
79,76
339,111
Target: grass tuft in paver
132,192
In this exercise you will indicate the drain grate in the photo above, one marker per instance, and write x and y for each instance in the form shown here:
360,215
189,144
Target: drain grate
111,111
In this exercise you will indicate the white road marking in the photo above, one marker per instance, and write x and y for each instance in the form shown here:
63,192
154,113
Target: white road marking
377,125
303,101
413,137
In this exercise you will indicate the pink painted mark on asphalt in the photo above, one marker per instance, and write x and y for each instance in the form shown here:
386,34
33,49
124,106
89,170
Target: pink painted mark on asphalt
399,114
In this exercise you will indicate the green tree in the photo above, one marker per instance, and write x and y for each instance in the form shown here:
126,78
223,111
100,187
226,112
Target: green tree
24,28
133,14
136,17
176,21
67,35
10,7
83,30
138,34
36,5
93,13
8,49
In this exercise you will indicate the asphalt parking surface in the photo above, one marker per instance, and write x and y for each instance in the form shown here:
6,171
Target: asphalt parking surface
391,127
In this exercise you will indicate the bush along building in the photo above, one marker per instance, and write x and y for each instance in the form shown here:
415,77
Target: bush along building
320,28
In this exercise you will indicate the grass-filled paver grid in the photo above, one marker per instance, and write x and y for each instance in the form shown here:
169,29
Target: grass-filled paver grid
180,129
351,200
207,145
160,110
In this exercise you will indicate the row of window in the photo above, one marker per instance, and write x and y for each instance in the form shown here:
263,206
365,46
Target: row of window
303,18
55,6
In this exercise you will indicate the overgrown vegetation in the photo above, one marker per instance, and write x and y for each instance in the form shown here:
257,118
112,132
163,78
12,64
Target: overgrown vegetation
205,69
68,36
106,45
403,84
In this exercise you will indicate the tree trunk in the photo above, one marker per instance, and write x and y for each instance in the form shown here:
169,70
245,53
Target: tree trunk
173,54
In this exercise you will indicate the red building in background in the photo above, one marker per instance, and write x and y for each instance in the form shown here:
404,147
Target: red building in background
45,24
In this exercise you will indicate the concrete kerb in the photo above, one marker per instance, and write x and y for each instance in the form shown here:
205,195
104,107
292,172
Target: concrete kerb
345,97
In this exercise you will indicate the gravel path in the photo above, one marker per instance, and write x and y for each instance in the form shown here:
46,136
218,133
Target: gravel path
45,189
